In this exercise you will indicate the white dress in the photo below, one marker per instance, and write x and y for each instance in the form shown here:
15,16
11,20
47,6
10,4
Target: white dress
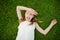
25,31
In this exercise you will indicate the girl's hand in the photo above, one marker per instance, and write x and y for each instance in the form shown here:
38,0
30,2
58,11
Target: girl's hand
32,11
54,21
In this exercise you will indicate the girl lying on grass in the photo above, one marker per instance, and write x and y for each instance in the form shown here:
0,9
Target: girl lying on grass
28,24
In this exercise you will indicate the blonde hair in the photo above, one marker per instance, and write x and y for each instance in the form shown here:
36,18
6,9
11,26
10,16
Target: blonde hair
34,19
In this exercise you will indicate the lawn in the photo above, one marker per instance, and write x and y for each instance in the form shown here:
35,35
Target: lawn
47,11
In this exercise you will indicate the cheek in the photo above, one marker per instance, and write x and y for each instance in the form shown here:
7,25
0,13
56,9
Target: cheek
26,15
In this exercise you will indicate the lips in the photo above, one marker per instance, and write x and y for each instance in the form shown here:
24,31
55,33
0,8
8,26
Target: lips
28,18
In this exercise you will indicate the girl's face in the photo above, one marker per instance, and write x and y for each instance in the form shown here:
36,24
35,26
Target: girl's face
28,16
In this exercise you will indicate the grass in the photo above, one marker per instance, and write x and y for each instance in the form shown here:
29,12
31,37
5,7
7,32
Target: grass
47,9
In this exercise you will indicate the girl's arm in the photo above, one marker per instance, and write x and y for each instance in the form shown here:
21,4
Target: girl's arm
47,29
19,8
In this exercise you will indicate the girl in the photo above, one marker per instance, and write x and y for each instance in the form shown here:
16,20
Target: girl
28,24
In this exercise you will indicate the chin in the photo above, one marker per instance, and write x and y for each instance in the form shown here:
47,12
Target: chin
28,19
